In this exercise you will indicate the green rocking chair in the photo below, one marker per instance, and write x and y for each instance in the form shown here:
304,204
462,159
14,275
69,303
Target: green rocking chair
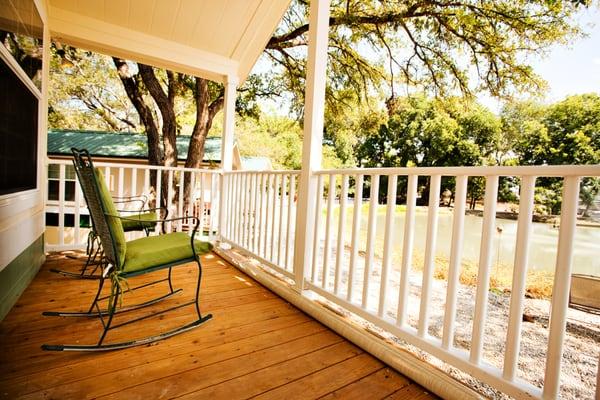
124,259
141,219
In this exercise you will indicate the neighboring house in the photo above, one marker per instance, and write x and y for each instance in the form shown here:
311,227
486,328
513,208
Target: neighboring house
126,148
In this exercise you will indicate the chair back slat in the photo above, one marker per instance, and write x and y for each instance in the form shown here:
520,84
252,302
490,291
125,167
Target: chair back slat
88,180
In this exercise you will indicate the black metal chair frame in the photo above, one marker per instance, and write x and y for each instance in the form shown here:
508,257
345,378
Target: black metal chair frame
110,260
93,248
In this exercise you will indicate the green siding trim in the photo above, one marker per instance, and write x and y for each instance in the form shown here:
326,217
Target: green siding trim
17,275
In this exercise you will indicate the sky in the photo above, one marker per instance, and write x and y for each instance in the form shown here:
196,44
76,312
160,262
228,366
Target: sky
569,70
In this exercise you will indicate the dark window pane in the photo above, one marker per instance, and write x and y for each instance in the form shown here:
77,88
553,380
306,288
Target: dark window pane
51,219
70,191
52,190
18,133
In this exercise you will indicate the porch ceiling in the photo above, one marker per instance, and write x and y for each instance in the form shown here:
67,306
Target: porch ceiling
206,38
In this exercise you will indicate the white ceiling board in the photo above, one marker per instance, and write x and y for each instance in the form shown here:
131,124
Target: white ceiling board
227,32
143,11
163,18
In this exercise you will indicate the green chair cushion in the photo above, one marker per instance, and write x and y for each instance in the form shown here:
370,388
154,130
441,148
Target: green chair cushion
142,221
153,251
114,223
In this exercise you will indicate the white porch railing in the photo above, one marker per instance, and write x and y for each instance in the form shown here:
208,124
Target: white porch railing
65,203
260,210
259,223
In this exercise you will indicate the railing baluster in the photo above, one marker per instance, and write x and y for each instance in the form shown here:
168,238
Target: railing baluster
273,219
339,261
180,200
515,316
267,205
214,205
560,289
372,229
77,204
259,210
454,267
251,210
257,213
485,264
280,242
356,214
107,178
61,204
328,228
428,264
201,203
158,191
133,186
407,249
388,243
121,182
317,235
288,236
239,209
170,198
146,181
190,199
247,209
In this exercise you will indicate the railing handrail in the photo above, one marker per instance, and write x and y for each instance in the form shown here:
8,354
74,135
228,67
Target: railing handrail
140,166
523,170
274,172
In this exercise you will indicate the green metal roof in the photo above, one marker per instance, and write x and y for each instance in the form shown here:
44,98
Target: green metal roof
122,145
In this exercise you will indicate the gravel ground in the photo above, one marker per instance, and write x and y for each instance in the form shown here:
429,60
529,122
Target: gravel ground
581,345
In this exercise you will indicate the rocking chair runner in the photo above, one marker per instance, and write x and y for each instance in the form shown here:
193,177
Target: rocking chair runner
128,259
144,220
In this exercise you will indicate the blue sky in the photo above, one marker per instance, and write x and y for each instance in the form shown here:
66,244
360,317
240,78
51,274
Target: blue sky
570,69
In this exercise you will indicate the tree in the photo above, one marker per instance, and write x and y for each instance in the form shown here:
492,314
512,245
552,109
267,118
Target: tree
427,45
86,94
567,132
426,132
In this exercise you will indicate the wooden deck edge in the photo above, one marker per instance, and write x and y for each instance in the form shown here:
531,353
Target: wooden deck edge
423,373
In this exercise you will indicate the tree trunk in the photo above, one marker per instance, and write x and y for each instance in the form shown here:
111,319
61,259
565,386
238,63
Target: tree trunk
205,113
165,104
146,117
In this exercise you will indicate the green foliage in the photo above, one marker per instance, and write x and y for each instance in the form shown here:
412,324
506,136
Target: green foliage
278,138
567,132
426,132
442,48
86,93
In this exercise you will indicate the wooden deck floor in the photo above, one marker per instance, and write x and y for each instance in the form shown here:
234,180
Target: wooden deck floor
256,345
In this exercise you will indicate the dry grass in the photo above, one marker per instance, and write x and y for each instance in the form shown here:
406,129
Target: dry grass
538,283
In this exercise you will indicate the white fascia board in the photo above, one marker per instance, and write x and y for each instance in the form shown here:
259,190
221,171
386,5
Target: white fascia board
253,42
92,34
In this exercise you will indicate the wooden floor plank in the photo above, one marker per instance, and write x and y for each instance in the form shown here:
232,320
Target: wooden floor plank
262,380
256,345
411,392
327,380
378,385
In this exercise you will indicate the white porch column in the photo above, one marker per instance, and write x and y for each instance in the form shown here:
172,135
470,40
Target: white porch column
227,147
313,136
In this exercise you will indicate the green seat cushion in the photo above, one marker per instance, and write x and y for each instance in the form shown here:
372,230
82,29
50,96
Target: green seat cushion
114,222
142,221
159,250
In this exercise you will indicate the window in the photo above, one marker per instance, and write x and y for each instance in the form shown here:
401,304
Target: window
54,182
21,31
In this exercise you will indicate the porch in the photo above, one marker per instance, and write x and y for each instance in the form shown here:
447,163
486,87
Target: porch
257,345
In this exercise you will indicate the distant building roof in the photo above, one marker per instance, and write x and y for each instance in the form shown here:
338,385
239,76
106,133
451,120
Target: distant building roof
256,163
121,145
